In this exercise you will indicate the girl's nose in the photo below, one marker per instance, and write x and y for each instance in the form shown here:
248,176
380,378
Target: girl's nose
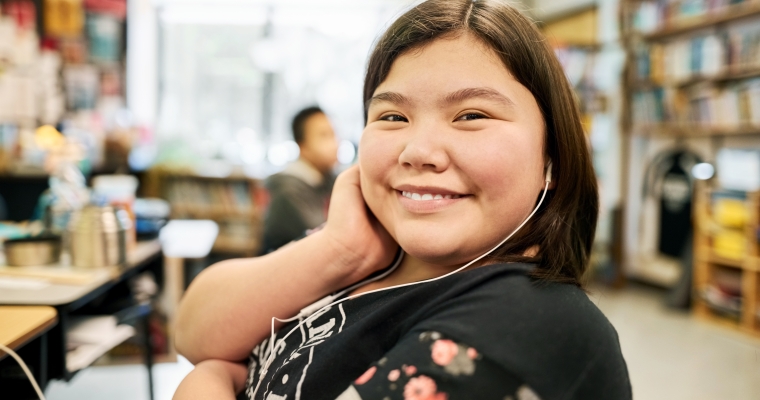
425,150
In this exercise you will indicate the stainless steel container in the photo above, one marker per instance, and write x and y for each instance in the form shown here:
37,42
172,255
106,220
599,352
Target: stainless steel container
97,237
32,251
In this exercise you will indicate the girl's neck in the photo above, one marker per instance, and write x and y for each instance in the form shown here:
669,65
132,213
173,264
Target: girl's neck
414,270
411,270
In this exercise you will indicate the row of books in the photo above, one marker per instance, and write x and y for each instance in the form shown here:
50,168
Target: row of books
729,107
722,302
224,197
724,292
735,50
649,16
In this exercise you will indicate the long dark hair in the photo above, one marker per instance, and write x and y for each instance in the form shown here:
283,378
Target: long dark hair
563,229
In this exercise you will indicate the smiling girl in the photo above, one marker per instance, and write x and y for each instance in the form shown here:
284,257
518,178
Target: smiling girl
472,136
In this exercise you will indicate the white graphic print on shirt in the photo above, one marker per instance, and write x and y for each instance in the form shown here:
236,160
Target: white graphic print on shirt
291,369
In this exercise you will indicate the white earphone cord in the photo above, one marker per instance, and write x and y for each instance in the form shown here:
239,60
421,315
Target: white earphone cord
270,358
25,368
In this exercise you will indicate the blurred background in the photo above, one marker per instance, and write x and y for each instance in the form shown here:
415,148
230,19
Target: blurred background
143,140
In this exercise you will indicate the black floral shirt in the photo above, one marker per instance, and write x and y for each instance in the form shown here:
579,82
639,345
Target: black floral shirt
487,333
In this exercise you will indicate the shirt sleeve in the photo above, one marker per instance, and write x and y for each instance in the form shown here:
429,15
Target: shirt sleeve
429,366
282,224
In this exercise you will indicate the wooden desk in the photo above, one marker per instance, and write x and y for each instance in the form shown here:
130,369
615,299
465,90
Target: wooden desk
92,283
19,324
72,299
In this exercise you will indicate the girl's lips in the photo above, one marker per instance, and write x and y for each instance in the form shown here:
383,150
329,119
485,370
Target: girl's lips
433,190
428,203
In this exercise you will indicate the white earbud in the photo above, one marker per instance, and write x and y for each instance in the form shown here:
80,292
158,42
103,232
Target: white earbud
549,172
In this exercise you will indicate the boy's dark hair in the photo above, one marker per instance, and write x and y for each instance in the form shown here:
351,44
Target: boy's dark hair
299,122
563,228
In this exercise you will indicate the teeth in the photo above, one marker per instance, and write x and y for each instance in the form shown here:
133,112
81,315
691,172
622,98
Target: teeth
428,196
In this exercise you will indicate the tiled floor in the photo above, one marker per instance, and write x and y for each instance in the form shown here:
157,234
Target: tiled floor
670,357
122,382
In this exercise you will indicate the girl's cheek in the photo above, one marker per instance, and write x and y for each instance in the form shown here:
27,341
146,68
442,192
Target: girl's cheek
376,155
369,160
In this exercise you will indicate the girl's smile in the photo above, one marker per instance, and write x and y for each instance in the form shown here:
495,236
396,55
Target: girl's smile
428,199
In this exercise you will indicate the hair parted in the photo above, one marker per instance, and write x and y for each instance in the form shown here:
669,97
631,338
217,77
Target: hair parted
564,227
299,122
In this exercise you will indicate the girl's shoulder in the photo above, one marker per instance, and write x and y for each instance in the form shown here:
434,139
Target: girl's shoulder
551,334
503,298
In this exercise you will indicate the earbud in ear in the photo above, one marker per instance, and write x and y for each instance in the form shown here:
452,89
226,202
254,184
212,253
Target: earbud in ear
549,172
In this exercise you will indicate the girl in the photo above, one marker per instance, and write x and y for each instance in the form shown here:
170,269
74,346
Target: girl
472,136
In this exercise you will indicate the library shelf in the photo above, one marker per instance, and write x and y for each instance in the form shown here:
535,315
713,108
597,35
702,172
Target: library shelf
707,264
213,212
691,130
708,20
730,75
234,201
726,262
225,244
669,97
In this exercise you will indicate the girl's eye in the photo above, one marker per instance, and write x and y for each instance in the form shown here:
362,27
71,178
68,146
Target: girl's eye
393,118
470,117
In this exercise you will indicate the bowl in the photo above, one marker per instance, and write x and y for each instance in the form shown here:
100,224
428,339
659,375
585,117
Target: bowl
32,251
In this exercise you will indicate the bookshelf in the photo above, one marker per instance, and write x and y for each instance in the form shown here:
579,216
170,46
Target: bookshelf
697,67
235,202
575,40
668,130
693,81
727,285
708,18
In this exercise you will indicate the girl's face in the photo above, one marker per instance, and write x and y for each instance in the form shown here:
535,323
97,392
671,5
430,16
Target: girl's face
452,157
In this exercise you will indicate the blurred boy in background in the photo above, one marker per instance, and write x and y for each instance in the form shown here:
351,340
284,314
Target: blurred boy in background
301,192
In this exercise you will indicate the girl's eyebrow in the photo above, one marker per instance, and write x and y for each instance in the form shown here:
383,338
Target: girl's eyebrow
452,98
478,92
390,97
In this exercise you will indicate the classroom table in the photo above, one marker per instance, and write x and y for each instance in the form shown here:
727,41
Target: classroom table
25,330
68,290
70,286
21,324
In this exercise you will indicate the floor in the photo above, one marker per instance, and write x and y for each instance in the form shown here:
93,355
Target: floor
670,356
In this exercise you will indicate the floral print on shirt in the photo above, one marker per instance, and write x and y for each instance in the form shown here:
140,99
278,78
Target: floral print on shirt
432,367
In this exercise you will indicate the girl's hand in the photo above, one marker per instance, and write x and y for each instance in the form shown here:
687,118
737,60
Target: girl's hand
354,231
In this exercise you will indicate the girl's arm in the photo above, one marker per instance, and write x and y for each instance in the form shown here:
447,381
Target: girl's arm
212,379
227,309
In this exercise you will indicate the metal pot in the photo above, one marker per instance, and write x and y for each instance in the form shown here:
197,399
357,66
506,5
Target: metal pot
42,250
97,237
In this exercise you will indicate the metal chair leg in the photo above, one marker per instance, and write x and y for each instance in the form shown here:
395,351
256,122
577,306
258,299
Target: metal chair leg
148,348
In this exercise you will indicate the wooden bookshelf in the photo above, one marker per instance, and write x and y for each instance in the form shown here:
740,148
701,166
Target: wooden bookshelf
730,75
707,264
701,83
575,28
724,77
686,130
236,202
693,77
708,20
